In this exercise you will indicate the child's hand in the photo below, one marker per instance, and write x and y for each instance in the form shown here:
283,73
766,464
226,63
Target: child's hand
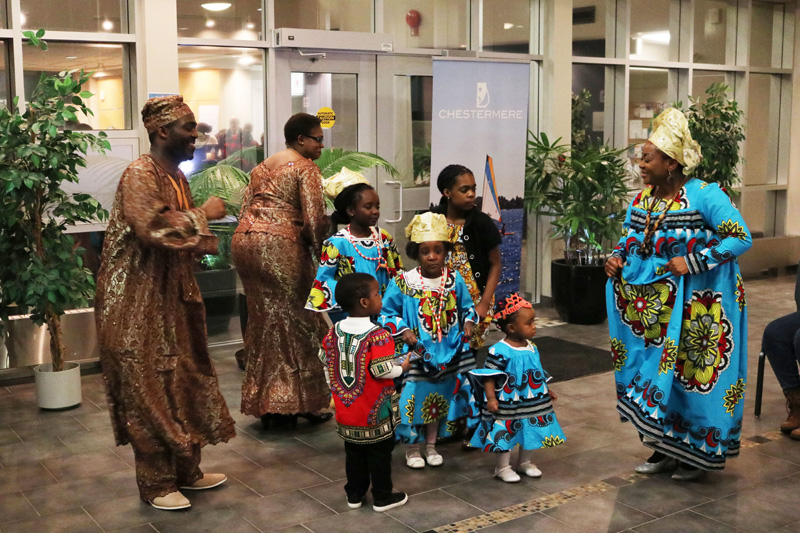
553,395
409,337
405,365
469,327
492,405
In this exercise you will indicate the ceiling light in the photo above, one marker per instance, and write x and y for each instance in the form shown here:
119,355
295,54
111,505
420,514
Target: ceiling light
71,57
656,37
210,23
195,65
108,25
249,25
246,60
216,6
22,18
508,25
100,74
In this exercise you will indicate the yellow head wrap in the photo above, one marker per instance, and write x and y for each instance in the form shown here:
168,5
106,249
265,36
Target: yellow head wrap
428,227
671,135
334,185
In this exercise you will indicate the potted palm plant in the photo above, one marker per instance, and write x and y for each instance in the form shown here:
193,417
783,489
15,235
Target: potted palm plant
583,188
42,273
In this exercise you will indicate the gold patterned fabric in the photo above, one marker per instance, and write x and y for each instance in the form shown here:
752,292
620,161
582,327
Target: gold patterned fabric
343,179
282,222
671,135
458,259
162,389
163,110
427,227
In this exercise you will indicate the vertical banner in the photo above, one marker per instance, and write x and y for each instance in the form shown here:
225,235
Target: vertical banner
480,120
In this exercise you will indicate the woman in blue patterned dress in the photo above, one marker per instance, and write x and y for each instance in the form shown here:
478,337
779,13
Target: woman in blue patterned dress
430,310
511,391
361,246
677,311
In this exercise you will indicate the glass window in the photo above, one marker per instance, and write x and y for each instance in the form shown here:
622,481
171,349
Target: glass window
766,34
225,89
507,26
714,31
75,15
651,31
703,79
237,19
759,209
3,12
648,96
589,28
413,107
428,24
312,91
339,15
592,78
762,126
109,82
5,84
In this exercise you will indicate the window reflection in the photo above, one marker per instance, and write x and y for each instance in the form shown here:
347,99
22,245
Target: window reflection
592,78
241,19
765,34
225,89
589,28
106,16
108,81
434,24
332,15
714,31
651,37
762,129
507,26
649,96
703,79
4,75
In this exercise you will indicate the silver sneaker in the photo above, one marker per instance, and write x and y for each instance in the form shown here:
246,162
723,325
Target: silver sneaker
653,468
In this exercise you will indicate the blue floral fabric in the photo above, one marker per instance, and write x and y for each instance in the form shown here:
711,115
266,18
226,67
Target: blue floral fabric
679,344
525,416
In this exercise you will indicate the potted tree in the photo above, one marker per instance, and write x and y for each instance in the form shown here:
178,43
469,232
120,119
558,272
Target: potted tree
583,187
42,273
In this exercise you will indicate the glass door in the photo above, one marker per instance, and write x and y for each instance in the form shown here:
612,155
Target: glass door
405,101
340,86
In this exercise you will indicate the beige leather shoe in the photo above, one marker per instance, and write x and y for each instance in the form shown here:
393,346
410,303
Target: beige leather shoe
208,481
170,502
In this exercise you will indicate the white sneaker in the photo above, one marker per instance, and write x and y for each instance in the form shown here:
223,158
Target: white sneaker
432,457
507,474
414,460
530,469
170,502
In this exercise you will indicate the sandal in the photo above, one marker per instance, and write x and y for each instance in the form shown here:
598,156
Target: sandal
414,460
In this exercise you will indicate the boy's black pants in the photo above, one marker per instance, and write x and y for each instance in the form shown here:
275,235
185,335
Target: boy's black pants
365,462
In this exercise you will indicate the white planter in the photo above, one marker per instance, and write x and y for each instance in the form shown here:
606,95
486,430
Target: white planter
58,390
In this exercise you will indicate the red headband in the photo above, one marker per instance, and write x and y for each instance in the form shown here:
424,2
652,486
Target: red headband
513,304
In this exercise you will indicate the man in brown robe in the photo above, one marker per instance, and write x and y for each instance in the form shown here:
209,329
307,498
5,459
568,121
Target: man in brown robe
162,389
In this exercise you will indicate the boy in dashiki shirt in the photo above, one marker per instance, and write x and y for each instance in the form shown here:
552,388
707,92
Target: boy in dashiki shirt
361,368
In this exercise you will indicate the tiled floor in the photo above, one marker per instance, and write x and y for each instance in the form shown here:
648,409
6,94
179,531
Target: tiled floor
60,471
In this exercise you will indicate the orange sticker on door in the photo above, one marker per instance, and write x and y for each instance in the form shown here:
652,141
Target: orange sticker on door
327,117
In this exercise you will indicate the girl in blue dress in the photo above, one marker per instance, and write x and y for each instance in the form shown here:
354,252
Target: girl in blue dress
511,392
677,312
360,246
430,310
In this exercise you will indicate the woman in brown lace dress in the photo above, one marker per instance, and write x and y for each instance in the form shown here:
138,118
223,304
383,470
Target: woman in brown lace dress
281,224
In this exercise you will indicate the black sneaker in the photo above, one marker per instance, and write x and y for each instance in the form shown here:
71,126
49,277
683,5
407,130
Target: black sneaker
354,502
395,500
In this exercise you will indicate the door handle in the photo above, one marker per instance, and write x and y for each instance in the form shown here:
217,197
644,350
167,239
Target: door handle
399,212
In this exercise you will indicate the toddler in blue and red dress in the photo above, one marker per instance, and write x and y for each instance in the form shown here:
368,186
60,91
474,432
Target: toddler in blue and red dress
359,356
516,407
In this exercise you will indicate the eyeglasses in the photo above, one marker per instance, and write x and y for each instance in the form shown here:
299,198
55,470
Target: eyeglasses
318,139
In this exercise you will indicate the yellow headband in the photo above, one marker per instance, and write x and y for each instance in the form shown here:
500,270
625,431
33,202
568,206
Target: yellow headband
671,135
428,227
334,185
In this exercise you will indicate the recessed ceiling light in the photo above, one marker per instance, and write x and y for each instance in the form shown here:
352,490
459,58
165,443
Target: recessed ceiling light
22,18
210,23
249,25
195,65
216,6
71,57
100,74
508,25
108,25
247,60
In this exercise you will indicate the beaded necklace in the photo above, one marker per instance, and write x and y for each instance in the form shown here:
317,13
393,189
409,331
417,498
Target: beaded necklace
437,313
376,236
646,246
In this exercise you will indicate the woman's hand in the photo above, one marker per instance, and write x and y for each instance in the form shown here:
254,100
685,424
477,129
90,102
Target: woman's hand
482,309
214,208
409,337
614,266
677,266
469,327
492,405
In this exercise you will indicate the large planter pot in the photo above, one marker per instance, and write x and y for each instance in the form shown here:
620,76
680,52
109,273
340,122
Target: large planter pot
579,292
58,390
218,288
